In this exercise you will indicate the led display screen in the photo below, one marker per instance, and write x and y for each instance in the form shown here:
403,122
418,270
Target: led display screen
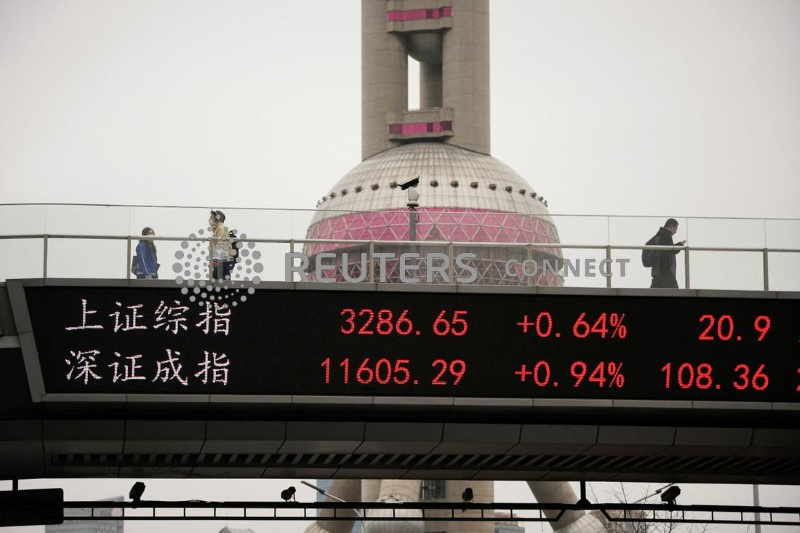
384,343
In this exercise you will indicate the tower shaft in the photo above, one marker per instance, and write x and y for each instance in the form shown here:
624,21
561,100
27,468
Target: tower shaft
450,39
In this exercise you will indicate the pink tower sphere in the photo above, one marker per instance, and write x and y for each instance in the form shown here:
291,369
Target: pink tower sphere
465,197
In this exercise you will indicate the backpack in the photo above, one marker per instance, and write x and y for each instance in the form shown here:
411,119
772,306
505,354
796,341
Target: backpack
135,265
235,245
649,256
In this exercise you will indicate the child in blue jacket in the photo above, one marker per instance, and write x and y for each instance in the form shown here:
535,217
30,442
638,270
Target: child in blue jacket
146,258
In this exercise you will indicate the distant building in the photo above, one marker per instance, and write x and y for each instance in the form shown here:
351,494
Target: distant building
79,524
325,484
508,527
506,524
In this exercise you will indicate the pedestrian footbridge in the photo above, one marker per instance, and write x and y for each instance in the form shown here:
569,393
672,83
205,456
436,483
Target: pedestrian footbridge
275,374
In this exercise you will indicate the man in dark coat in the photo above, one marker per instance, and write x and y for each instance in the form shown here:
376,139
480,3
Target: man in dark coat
663,271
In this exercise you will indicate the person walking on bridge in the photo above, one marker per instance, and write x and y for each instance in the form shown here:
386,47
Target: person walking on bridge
663,271
146,259
220,246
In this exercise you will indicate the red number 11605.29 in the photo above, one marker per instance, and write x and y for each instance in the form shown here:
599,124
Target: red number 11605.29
384,371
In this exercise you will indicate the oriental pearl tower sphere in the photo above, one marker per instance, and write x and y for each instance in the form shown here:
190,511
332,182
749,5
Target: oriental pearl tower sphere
464,195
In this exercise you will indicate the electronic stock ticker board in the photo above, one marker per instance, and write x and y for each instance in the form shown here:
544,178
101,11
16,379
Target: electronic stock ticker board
114,340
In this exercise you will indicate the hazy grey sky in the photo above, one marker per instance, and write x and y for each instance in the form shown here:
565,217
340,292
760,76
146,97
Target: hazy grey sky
617,107
662,107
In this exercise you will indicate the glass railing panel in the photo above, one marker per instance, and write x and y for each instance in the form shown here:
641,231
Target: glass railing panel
724,270
21,258
627,270
262,224
387,267
582,267
782,233
582,229
480,264
87,258
784,267
300,221
264,261
784,271
87,220
723,232
168,221
431,263
22,219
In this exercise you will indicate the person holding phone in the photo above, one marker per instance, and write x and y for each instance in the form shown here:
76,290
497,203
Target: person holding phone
663,271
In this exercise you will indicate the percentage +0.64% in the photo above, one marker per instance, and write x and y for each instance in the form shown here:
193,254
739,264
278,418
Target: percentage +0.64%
606,325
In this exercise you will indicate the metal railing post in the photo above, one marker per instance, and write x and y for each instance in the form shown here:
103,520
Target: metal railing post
44,256
528,257
291,251
686,277
211,242
608,262
765,255
451,268
128,263
371,261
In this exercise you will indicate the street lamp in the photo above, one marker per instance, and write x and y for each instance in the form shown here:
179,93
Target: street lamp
136,492
413,202
671,494
657,491
288,494
338,499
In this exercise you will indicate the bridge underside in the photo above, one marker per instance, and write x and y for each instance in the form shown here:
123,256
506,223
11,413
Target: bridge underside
317,441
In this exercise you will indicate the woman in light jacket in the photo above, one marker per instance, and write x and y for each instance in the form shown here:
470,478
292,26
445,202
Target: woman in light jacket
220,245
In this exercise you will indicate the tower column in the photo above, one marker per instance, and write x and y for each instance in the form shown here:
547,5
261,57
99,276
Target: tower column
384,77
556,492
430,85
348,490
465,74
450,39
